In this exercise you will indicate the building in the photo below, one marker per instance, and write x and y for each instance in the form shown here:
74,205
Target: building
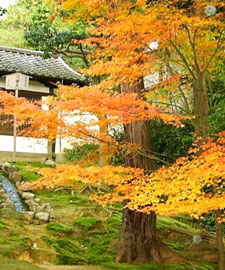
43,74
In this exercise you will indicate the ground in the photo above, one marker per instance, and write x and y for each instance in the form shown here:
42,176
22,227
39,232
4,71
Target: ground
81,234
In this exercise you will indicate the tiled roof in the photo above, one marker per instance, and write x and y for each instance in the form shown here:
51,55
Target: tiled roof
34,64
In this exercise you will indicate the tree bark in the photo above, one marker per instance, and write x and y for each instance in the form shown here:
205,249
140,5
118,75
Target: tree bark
219,240
138,240
201,107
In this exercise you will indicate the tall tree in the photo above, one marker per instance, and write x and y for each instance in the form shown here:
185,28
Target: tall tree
121,34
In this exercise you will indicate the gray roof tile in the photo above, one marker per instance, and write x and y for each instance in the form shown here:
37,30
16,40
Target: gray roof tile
33,63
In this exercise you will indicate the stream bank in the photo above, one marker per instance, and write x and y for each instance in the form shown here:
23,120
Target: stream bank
23,199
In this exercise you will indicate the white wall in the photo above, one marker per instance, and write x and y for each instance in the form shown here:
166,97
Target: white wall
73,118
24,145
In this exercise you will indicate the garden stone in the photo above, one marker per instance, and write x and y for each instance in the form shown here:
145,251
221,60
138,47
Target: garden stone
29,215
46,207
8,204
35,245
197,239
16,177
37,200
5,196
50,162
27,195
6,166
43,160
26,188
17,184
43,216
32,205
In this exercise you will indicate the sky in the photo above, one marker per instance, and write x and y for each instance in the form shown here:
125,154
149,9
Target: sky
6,3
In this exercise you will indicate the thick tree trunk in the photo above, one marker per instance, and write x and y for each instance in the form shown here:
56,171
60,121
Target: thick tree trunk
138,239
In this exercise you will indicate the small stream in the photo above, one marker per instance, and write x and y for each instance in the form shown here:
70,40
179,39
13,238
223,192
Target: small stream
12,192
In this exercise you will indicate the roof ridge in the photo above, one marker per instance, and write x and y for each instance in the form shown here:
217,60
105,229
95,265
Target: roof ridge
20,50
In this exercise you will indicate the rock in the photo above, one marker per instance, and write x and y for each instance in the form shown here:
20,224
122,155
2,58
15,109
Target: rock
27,195
25,188
17,184
32,205
45,207
43,216
29,215
16,177
5,196
43,160
2,191
8,204
35,245
13,169
197,239
6,167
37,200
50,162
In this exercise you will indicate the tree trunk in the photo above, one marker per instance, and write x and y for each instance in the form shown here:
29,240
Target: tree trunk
201,129
201,107
219,240
138,239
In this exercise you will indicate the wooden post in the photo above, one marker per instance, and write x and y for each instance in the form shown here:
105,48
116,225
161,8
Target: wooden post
49,149
14,126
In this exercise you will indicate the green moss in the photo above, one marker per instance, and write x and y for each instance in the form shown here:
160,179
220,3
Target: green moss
86,223
47,240
177,246
169,221
2,225
80,199
7,264
153,266
70,252
58,227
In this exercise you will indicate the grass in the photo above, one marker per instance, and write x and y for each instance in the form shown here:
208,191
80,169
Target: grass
28,170
83,232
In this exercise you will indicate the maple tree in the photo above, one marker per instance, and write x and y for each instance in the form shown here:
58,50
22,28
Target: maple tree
121,35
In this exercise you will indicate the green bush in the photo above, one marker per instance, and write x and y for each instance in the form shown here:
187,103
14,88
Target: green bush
79,152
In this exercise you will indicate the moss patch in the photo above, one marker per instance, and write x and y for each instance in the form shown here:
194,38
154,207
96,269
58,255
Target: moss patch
58,227
86,222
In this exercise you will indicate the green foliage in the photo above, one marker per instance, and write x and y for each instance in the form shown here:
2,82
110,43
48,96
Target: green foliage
169,142
217,114
119,157
208,222
79,152
86,222
12,38
58,227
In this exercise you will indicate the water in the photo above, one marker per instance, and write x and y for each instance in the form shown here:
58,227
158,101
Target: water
12,192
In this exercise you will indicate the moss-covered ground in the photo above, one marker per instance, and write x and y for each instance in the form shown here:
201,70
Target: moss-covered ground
81,233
